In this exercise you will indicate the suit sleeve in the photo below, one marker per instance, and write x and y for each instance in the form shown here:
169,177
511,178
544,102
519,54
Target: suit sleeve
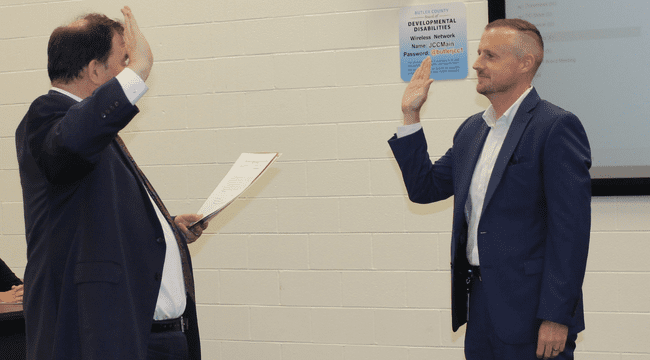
66,145
425,182
567,187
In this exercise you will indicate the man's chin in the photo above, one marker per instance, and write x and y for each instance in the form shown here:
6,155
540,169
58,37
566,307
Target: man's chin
482,86
482,89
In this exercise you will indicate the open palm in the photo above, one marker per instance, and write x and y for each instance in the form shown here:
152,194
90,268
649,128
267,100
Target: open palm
417,90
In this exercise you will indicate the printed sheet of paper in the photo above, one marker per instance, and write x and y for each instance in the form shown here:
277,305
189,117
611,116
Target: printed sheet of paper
248,168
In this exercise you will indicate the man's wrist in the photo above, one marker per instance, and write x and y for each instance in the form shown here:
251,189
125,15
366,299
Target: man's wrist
142,70
411,117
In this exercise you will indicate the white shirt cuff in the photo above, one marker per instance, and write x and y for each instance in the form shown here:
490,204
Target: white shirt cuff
133,86
407,130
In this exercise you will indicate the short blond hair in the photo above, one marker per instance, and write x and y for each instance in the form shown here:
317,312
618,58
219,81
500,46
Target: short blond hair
526,30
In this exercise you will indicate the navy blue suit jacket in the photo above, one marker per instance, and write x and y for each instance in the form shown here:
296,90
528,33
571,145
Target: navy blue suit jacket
533,235
95,246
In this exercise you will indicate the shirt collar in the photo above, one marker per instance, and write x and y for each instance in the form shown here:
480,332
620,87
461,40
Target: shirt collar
490,115
75,97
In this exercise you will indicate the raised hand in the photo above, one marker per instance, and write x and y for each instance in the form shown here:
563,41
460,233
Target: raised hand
416,92
137,47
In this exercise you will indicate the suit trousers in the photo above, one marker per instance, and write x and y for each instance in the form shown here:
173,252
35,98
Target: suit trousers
170,345
482,342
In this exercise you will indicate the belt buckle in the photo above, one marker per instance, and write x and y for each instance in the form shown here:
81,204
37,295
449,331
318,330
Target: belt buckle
474,272
185,324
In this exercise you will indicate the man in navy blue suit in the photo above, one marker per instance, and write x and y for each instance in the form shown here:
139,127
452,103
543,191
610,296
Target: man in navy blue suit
108,272
519,174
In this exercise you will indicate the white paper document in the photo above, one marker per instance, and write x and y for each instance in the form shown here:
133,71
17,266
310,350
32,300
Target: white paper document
248,168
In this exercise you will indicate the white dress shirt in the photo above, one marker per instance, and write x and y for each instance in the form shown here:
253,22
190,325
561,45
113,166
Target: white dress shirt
483,170
171,296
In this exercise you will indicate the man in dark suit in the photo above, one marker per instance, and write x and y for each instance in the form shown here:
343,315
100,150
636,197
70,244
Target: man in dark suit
108,272
519,173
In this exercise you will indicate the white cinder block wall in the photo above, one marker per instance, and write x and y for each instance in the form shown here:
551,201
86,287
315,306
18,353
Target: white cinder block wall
324,258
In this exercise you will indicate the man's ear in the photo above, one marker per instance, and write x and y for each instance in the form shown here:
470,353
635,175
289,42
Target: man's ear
527,63
95,72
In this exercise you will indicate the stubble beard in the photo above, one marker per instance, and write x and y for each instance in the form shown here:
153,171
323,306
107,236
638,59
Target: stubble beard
492,89
484,89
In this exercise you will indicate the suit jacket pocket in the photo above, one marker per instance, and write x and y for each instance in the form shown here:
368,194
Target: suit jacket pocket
515,166
99,271
534,266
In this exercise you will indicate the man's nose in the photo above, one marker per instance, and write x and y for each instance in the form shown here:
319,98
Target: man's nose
476,65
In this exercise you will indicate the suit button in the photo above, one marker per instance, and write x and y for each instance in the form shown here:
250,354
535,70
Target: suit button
117,103
158,276
160,240
103,116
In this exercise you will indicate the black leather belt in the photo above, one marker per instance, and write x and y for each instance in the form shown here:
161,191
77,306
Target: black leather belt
179,324
474,272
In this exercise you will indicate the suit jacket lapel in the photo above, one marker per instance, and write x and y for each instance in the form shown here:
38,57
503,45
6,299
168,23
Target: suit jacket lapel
131,165
148,188
473,152
517,127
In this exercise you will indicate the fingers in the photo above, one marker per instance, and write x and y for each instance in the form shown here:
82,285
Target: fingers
418,72
128,16
423,71
420,80
196,231
137,47
129,20
541,348
191,232
130,25
427,85
18,295
546,352
128,32
203,224
426,68
14,295
551,340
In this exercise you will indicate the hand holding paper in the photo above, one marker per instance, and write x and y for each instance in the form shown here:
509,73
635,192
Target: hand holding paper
191,233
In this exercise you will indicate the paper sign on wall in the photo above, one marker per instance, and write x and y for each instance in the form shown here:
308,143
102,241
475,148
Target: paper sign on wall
438,30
